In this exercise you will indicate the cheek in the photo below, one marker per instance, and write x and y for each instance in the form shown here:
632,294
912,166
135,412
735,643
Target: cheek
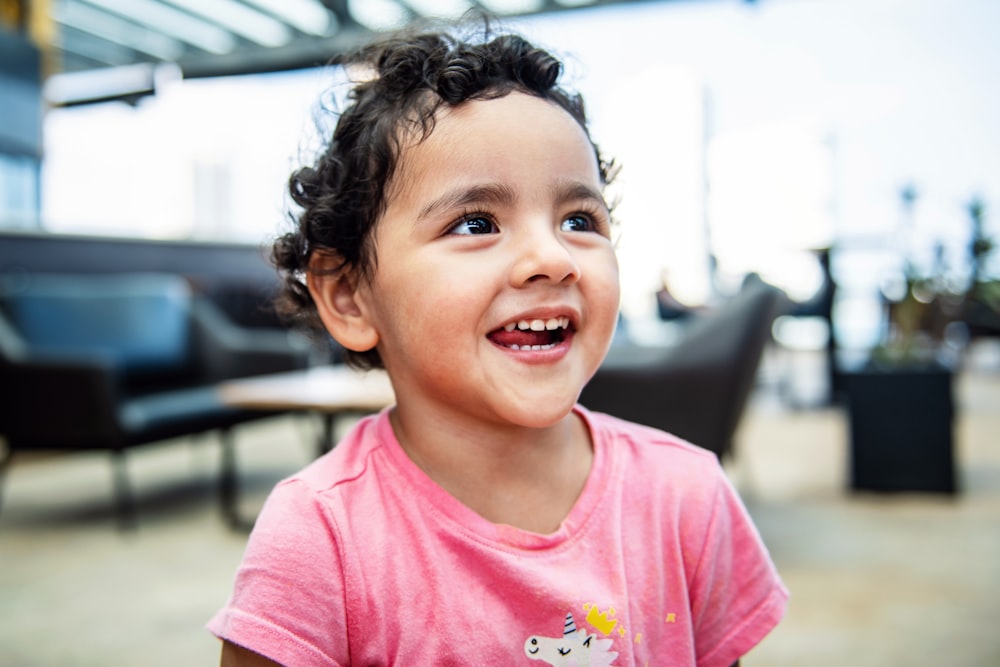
606,281
409,303
606,297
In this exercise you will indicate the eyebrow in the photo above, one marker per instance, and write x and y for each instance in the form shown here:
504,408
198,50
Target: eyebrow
575,191
493,193
502,195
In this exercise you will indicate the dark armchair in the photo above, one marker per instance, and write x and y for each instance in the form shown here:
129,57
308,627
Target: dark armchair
115,361
698,388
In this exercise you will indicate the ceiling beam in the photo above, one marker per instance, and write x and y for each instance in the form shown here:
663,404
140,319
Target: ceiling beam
302,53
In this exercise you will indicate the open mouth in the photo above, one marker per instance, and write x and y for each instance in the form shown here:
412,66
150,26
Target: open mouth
535,335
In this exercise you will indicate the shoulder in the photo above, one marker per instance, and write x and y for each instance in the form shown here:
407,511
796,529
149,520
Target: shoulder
678,494
350,461
287,600
679,487
316,495
643,445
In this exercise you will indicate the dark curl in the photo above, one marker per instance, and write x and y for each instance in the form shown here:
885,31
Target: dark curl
404,80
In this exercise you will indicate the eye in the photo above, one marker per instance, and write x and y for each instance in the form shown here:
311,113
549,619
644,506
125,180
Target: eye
473,224
564,651
578,223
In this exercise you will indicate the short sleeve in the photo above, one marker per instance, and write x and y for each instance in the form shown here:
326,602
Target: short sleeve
288,599
736,595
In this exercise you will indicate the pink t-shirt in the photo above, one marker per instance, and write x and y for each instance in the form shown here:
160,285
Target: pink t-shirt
361,559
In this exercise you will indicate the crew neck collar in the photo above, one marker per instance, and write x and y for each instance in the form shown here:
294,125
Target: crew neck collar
466,521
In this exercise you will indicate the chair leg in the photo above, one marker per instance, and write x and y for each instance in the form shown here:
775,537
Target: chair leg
229,480
325,443
125,498
8,456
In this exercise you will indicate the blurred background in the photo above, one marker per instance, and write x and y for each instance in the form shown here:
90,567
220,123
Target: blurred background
750,133
846,152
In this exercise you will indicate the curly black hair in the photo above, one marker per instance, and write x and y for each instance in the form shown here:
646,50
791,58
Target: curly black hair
407,78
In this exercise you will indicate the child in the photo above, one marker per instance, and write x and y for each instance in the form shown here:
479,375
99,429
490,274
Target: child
454,232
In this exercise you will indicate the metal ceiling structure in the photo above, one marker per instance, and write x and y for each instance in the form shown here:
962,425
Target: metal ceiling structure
221,37
100,50
119,49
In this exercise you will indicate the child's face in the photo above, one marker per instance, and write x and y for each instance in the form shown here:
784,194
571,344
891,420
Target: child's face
495,219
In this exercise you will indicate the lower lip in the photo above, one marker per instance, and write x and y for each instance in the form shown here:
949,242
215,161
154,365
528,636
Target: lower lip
546,356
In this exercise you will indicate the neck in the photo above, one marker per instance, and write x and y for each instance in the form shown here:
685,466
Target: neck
525,477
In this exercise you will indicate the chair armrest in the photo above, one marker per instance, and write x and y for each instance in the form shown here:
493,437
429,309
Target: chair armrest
226,350
50,401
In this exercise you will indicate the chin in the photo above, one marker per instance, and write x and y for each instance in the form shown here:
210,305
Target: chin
540,414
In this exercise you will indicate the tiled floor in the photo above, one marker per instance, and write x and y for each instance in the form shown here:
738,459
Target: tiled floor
878,580
875,580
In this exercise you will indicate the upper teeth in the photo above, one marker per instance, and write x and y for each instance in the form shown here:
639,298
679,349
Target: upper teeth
539,325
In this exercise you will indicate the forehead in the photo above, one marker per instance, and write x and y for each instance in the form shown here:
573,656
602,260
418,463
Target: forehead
498,139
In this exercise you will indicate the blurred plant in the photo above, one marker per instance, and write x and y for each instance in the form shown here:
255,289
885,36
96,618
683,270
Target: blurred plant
980,245
927,314
981,307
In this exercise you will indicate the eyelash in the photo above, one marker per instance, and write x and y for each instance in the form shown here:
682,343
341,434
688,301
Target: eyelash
596,217
592,215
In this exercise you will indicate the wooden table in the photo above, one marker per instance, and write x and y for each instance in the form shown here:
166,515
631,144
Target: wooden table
329,390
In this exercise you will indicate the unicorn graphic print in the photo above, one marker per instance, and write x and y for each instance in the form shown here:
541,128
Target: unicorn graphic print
575,648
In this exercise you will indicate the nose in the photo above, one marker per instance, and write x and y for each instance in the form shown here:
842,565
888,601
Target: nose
543,255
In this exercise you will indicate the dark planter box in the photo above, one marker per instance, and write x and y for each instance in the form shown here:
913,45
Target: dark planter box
901,429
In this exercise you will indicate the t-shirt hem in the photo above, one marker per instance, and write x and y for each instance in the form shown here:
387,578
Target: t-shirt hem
750,633
267,639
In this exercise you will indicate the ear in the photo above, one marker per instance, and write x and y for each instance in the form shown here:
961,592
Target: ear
335,292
